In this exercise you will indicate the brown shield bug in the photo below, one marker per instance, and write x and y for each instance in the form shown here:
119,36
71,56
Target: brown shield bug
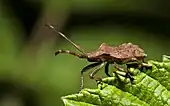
123,54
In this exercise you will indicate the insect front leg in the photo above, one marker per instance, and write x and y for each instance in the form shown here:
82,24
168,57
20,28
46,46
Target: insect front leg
85,69
95,71
70,52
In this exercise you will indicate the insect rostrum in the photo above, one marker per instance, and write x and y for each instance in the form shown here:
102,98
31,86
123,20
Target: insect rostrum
105,55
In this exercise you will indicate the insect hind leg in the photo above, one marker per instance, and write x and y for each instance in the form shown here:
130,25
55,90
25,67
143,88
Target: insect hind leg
70,52
138,64
127,75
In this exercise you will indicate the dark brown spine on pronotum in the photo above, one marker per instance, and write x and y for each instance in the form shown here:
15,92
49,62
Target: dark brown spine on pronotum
126,53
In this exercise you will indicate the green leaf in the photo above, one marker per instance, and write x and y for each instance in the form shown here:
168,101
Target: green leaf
160,71
151,87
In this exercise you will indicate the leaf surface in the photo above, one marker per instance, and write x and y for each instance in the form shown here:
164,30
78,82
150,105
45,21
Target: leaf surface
151,87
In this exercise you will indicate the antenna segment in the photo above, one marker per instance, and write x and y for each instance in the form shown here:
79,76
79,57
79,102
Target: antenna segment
75,45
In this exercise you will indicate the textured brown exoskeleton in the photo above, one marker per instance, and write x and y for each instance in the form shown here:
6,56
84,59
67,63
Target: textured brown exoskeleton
105,55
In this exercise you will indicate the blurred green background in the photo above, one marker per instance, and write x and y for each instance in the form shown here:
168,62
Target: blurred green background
30,74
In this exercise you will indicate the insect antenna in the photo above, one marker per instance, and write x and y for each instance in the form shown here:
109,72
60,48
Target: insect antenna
75,45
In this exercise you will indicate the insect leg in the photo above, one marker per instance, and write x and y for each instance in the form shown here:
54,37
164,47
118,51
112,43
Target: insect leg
70,52
95,71
135,64
146,65
86,69
107,69
138,64
128,75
